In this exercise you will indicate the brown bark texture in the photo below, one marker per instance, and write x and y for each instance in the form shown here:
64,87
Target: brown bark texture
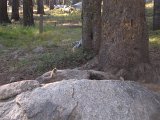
91,28
51,4
28,19
40,7
15,10
124,47
3,12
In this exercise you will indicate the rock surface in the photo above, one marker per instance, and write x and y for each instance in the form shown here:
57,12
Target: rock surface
84,100
78,6
1,46
67,74
13,89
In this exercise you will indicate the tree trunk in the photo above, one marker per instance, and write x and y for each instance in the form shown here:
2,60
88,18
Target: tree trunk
156,15
124,47
41,24
47,2
40,7
3,12
91,29
51,4
28,13
15,10
96,26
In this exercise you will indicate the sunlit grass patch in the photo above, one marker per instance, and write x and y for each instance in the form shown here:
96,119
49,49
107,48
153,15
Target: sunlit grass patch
23,37
59,14
155,38
16,35
149,5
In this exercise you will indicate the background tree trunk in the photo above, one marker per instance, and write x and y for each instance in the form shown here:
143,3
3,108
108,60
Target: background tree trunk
28,13
40,7
156,15
41,23
124,47
91,29
15,10
51,4
47,2
3,12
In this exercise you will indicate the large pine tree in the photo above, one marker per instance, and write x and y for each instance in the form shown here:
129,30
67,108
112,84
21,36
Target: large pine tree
124,42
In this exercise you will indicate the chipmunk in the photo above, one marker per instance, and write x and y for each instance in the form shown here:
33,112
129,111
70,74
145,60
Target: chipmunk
46,76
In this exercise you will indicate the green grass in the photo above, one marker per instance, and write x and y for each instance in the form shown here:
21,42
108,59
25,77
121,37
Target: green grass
18,36
61,58
56,40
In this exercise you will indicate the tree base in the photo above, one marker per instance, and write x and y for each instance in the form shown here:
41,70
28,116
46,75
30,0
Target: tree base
144,72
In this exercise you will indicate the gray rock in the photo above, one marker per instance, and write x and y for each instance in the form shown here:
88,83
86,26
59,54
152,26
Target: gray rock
1,46
78,6
39,49
84,100
13,89
67,74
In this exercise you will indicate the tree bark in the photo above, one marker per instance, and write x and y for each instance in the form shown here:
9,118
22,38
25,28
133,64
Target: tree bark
156,15
40,7
3,12
51,4
41,24
47,2
15,10
28,19
91,28
124,47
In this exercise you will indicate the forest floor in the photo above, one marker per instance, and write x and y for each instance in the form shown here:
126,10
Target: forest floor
26,54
